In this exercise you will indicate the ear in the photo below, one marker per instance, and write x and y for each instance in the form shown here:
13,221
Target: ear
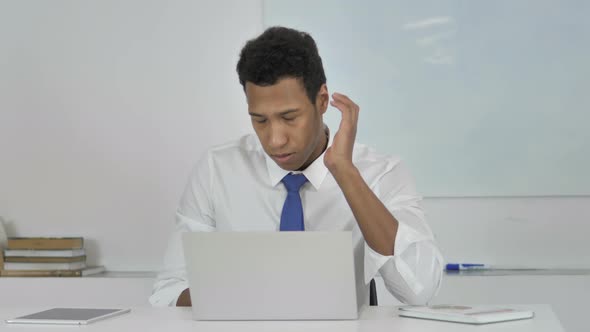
322,99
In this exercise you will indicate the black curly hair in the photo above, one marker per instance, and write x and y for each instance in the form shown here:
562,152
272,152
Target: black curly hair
278,53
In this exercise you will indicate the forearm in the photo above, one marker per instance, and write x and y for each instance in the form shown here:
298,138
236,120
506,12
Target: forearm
418,280
184,300
378,225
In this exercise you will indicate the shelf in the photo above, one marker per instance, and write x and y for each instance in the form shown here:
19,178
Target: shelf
102,275
124,274
531,272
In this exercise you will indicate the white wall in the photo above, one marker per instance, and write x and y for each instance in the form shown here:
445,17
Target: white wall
535,231
104,108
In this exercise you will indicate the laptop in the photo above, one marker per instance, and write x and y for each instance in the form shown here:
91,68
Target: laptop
271,275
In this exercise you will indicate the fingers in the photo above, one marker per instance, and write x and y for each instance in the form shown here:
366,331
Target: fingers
349,109
347,114
344,98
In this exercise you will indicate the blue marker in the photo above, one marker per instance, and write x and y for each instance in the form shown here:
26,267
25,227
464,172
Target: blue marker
461,267
467,267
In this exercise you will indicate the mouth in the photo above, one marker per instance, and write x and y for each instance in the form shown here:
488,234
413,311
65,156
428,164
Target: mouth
282,158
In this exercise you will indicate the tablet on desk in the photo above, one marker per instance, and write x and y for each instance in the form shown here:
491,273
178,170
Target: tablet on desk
67,316
466,314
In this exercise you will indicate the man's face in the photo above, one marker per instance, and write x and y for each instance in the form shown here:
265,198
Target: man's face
289,127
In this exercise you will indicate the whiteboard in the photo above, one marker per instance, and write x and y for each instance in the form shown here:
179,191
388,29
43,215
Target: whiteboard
480,98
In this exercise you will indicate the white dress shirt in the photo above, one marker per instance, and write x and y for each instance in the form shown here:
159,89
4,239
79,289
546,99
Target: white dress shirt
237,187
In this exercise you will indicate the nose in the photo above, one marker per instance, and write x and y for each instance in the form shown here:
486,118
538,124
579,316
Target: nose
278,137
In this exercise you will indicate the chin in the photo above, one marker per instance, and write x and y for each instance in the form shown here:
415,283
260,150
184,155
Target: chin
290,166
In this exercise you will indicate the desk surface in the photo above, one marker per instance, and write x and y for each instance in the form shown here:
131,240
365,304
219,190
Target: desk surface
372,319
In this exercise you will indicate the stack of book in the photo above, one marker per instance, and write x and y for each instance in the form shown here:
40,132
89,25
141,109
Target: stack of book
46,257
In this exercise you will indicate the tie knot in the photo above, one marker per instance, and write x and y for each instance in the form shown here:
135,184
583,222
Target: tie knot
294,181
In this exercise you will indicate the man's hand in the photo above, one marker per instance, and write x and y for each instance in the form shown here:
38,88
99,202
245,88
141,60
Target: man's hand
338,157
378,225
184,300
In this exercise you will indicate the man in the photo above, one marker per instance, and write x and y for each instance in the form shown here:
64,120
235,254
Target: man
293,176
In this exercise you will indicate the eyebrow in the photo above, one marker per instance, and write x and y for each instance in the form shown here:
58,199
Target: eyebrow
281,113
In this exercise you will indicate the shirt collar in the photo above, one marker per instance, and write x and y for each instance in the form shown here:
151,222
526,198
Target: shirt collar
315,173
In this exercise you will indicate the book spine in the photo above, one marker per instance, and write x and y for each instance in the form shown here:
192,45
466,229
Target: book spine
55,273
45,259
45,243
44,266
43,253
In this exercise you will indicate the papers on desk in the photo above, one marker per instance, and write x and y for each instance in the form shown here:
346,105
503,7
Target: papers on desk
465,314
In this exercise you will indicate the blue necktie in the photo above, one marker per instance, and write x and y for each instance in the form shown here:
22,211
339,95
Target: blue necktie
292,215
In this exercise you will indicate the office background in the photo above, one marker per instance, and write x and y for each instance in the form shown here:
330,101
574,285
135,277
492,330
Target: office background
482,98
106,105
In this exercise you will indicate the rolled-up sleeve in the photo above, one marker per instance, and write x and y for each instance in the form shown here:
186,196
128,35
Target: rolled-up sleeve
194,214
413,273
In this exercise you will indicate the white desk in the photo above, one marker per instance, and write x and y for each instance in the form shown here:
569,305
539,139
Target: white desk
373,319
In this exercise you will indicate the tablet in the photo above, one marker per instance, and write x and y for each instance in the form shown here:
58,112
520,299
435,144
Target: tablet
67,316
466,314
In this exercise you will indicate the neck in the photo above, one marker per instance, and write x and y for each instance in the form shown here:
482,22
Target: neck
323,143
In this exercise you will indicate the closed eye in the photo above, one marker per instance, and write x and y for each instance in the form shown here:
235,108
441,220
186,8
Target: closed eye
257,118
